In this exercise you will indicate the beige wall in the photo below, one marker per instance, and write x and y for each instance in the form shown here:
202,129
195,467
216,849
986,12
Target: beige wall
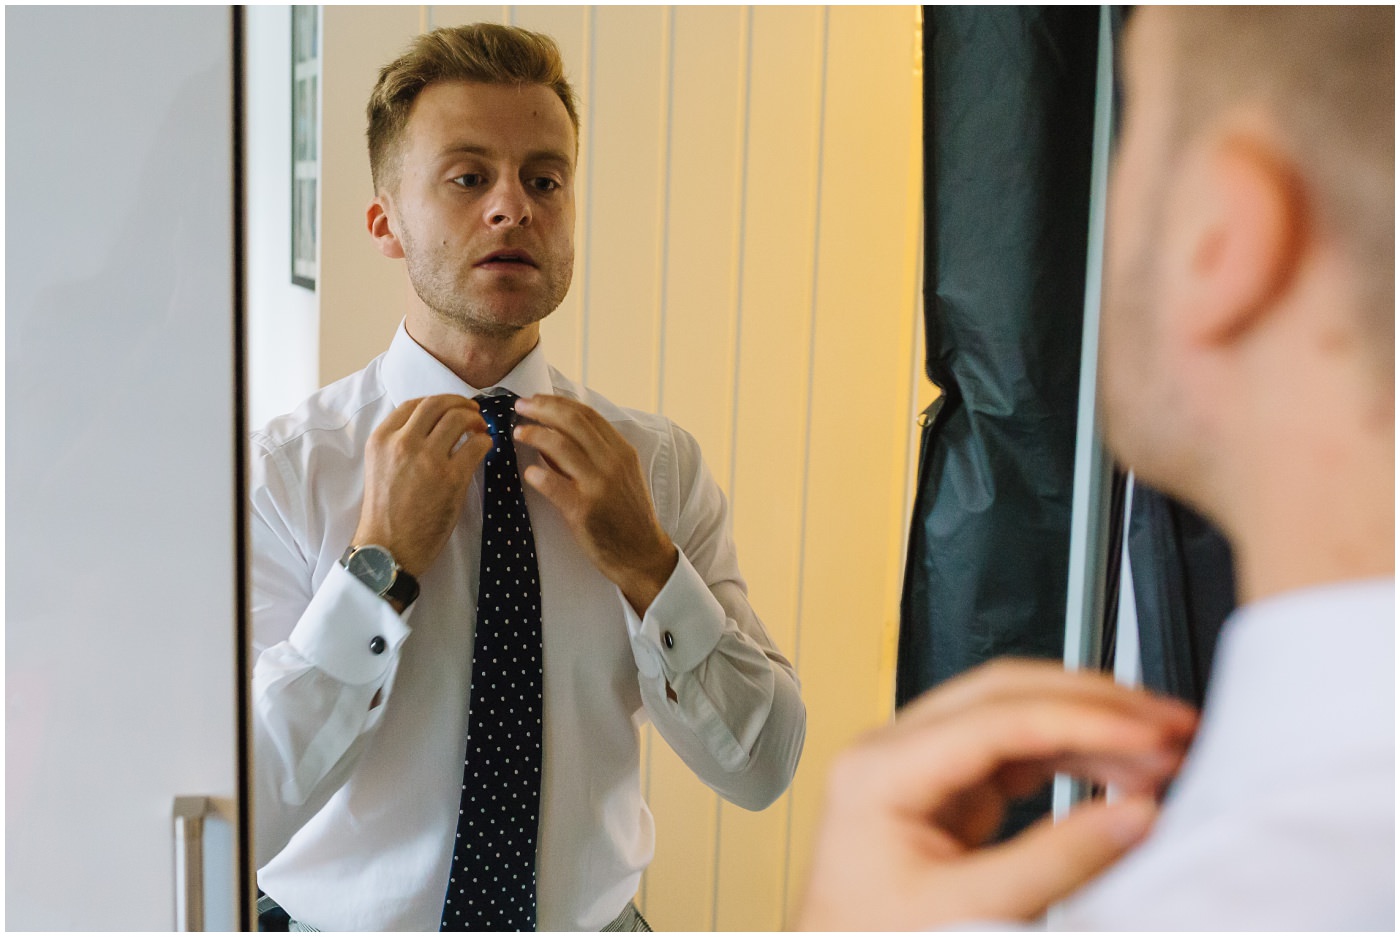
748,263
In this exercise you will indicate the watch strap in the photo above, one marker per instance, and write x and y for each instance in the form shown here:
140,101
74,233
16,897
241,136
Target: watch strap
403,588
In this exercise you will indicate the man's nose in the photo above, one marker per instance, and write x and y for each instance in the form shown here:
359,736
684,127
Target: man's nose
507,205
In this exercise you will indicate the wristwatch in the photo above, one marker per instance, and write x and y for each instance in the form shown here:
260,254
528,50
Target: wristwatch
376,567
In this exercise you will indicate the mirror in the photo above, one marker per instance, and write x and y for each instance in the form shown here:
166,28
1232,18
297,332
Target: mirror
747,264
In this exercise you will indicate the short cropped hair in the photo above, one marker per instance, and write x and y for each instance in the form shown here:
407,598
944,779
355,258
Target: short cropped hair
488,53
1325,76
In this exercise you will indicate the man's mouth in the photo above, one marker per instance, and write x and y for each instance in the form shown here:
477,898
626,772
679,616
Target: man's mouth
507,257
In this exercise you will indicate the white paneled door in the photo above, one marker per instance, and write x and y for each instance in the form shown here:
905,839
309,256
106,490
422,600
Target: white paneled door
122,502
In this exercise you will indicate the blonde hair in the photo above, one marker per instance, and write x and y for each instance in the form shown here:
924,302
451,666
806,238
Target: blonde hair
482,52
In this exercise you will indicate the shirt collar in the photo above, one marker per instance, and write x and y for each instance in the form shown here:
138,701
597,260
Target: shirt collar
411,371
1300,680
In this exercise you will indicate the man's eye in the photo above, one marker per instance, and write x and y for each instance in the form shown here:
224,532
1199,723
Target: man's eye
544,184
469,180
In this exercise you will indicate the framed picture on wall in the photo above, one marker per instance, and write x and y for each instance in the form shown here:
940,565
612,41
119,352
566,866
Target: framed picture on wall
306,153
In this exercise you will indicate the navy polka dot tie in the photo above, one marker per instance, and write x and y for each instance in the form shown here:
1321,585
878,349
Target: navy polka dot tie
492,882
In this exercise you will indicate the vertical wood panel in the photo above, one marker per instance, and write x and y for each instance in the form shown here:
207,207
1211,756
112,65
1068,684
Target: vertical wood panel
859,435
622,273
697,380
438,15
362,293
624,175
704,176
770,427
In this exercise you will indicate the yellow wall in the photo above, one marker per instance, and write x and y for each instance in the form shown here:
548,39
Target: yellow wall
748,263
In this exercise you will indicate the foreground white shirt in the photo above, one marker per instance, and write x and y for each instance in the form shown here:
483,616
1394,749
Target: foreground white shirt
356,805
1283,817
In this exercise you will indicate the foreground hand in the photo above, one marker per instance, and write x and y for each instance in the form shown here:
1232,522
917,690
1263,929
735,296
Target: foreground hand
909,807
593,476
417,471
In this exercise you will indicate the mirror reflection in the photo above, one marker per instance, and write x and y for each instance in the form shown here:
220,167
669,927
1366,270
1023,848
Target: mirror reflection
576,464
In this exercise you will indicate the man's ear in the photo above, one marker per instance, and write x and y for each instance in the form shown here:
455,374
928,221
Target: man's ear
1249,229
377,220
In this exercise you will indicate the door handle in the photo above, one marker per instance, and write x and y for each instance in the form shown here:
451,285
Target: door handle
188,815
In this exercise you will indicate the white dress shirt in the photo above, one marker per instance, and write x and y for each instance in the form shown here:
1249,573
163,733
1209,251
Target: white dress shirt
1283,817
357,798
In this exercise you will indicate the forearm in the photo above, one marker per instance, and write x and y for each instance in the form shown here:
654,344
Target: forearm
717,690
308,731
753,768
317,696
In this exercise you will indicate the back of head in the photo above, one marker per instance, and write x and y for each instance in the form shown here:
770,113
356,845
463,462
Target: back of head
1324,77
487,53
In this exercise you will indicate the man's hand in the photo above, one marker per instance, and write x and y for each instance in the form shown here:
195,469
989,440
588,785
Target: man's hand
909,807
417,471
593,476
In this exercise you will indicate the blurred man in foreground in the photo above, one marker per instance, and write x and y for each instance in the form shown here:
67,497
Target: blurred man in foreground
1248,368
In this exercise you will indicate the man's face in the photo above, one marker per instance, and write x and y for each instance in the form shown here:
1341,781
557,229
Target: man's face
1135,381
484,204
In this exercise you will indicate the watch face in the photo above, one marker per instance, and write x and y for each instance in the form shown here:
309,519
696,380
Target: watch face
373,566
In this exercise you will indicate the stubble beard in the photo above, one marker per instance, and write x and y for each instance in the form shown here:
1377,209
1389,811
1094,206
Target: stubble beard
1144,423
447,292
1130,290
1125,339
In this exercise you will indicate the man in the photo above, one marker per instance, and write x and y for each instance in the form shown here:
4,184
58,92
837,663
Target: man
462,625
1248,343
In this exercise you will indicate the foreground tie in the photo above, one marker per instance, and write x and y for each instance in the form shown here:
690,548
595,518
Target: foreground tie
492,882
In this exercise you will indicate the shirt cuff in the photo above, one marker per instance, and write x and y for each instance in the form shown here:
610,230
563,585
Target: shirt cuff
682,625
347,631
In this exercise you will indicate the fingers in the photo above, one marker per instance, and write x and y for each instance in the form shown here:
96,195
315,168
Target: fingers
557,488
1010,679
1031,681
577,422
1142,773
582,453
470,449
396,419
1051,860
452,425
909,807
418,467
1100,744
458,427
1019,742
594,477
559,449
431,410
419,417
1035,683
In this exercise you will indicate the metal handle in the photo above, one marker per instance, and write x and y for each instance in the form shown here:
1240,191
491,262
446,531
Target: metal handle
189,814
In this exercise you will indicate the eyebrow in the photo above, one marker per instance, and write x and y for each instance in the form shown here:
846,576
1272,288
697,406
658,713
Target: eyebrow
475,149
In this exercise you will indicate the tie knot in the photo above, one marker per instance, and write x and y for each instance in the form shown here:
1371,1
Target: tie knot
499,413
